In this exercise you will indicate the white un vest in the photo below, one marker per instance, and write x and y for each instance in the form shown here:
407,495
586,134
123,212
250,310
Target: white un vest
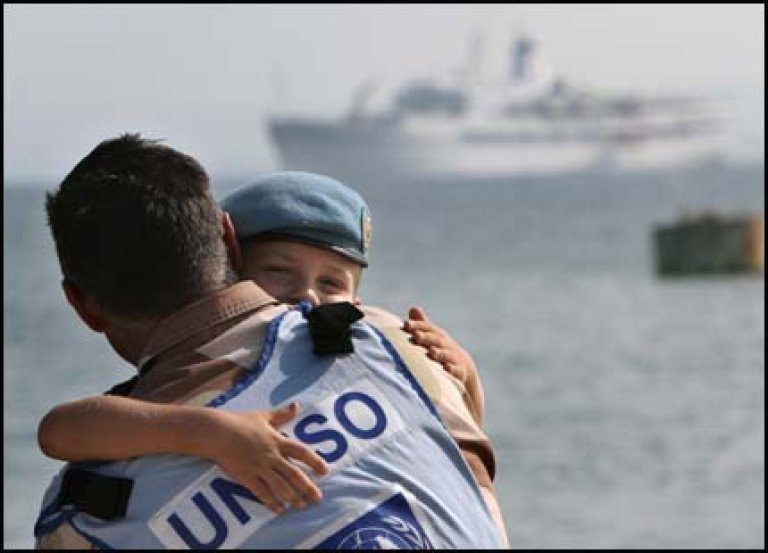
397,480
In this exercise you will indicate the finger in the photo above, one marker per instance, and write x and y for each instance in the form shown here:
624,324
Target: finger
264,494
443,356
429,328
298,479
300,452
454,370
417,313
283,490
437,354
278,417
421,326
429,339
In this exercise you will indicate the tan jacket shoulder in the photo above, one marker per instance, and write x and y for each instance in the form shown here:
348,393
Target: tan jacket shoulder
63,537
446,392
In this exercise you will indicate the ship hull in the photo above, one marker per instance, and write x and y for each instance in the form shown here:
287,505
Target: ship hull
396,152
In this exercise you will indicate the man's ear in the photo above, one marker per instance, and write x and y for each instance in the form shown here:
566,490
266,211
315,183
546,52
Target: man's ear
89,312
233,246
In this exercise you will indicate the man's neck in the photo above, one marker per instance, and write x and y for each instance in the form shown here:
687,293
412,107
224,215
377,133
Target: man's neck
130,337
129,340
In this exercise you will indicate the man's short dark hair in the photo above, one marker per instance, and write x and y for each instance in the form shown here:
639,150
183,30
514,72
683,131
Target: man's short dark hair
137,229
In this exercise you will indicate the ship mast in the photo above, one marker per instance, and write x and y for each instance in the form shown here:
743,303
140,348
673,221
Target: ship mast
468,74
523,48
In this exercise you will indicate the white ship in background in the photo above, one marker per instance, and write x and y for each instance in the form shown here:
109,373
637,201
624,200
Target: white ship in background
530,122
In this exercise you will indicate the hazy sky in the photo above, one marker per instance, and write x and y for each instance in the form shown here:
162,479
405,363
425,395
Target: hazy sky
205,76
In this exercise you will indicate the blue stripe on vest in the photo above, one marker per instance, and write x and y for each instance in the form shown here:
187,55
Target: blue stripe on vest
100,544
53,518
258,368
405,371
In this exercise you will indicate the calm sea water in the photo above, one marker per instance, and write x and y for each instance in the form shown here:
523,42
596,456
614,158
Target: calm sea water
627,410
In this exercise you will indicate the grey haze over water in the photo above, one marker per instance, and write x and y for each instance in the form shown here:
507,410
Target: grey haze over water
75,74
627,411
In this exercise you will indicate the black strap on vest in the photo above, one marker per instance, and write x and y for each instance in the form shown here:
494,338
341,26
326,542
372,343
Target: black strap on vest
105,497
123,388
329,327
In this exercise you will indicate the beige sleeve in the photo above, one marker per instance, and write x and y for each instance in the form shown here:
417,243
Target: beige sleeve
63,537
493,505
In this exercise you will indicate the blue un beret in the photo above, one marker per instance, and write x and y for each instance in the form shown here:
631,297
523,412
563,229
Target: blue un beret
311,208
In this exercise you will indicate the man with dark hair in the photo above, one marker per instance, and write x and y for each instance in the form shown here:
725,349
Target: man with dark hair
148,259
135,226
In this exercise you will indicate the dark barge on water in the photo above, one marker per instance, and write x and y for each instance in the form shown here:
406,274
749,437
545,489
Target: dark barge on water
709,243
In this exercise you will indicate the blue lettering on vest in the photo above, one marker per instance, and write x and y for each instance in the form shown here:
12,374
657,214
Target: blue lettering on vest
378,412
227,490
303,433
219,526
321,436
